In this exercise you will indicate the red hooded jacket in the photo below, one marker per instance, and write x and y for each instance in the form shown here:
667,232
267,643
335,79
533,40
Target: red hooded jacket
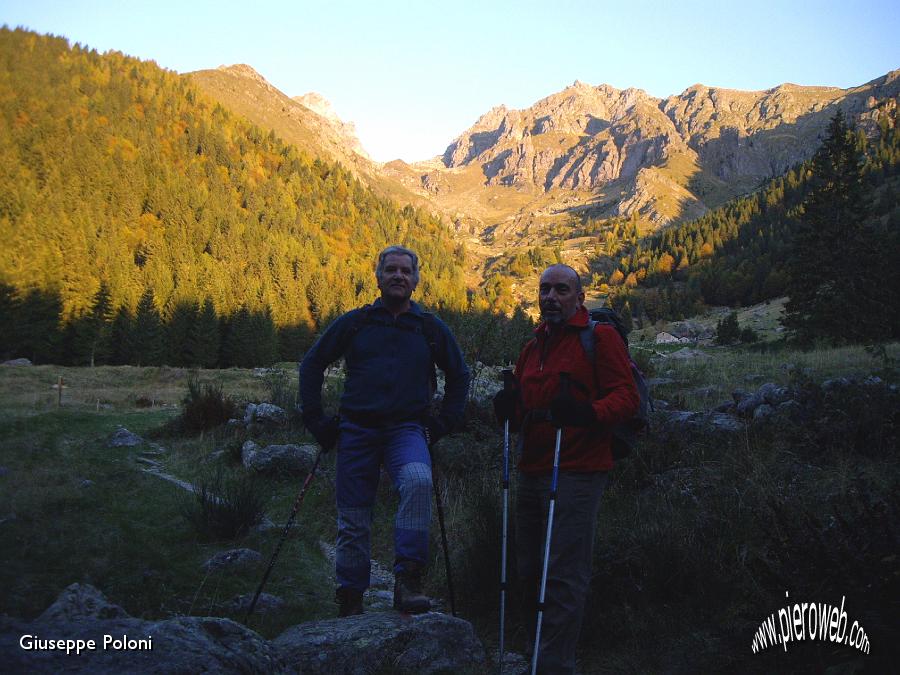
608,384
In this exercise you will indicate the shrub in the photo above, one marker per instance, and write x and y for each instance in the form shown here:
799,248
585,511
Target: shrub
643,358
225,508
204,407
282,387
143,402
748,335
727,330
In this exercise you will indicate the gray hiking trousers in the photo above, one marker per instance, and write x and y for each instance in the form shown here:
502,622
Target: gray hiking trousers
569,572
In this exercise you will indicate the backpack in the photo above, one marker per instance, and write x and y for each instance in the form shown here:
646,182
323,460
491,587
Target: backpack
625,434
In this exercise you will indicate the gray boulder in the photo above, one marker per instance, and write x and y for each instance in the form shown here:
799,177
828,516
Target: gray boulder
724,422
773,394
181,645
289,459
266,414
739,395
79,602
17,362
789,408
665,338
763,411
748,404
264,604
676,420
122,438
836,383
383,642
765,389
235,560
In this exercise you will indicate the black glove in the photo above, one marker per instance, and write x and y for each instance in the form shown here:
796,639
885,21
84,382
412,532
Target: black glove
566,411
324,429
505,404
435,429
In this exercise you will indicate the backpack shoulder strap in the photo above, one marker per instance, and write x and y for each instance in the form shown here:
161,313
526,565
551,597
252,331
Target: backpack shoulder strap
358,318
432,333
589,341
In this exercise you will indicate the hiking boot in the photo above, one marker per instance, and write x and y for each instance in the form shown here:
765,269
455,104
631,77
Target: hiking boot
408,595
349,600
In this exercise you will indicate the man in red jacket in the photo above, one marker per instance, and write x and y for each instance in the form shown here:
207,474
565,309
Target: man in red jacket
602,394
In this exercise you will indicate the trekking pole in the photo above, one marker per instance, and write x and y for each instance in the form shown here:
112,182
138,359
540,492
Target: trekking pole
284,533
508,384
564,388
438,498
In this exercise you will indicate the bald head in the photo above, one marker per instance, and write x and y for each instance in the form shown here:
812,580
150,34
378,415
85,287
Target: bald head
560,295
574,279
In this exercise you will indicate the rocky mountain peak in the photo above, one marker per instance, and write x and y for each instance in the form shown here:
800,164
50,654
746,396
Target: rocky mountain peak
318,104
345,130
616,152
243,70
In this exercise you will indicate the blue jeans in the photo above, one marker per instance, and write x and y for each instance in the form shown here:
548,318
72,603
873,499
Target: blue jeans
362,451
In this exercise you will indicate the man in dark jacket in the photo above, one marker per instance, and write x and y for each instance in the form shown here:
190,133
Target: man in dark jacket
602,394
390,348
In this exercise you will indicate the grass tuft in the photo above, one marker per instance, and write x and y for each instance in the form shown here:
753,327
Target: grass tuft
225,508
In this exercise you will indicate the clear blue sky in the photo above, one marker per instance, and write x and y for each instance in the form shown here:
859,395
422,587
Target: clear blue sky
413,75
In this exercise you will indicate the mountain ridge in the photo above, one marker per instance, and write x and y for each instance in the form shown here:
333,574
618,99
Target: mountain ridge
607,133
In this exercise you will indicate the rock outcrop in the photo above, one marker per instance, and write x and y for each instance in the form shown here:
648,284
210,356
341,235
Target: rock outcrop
668,158
122,438
283,459
180,645
375,642
383,642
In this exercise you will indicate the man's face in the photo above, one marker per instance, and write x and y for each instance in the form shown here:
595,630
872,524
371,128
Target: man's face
397,280
557,294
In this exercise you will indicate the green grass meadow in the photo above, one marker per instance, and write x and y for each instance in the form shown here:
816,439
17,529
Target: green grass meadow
700,534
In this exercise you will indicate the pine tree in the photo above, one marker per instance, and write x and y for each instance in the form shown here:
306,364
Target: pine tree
148,338
264,339
120,337
727,330
93,333
238,347
9,310
179,329
203,349
833,283
39,326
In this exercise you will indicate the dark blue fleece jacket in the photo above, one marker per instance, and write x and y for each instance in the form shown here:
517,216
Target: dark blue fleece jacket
389,366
